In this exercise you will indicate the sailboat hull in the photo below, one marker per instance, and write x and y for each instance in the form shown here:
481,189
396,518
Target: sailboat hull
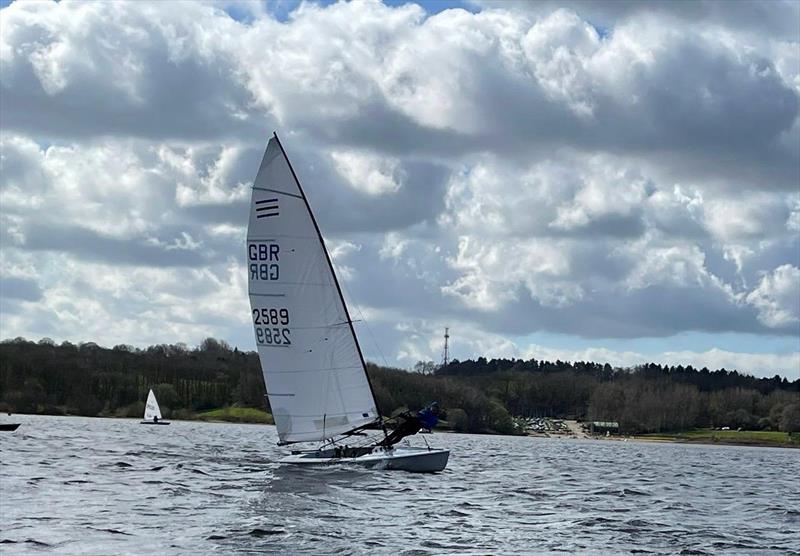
415,460
153,423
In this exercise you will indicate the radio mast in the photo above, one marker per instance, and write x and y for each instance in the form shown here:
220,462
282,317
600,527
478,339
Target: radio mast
445,353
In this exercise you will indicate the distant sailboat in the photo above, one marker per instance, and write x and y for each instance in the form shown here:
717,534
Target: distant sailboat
152,413
313,368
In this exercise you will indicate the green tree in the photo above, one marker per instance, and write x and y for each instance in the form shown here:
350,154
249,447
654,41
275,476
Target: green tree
790,418
458,419
167,397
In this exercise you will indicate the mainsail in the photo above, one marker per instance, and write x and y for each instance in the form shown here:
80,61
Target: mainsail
313,369
151,408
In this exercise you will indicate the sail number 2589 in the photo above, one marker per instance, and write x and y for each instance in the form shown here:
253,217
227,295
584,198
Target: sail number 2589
270,325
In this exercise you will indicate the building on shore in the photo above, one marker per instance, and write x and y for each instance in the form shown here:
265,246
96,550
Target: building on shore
604,427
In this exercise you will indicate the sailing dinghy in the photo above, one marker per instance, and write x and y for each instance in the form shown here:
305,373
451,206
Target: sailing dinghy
314,371
152,413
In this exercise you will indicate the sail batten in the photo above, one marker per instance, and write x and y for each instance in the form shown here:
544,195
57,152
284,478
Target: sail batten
316,383
333,369
277,191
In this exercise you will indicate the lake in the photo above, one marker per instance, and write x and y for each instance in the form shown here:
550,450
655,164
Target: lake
72,485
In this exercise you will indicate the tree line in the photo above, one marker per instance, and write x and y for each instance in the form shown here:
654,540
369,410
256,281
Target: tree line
645,398
87,379
477,395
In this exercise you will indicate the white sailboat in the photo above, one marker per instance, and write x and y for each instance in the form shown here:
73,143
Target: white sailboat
313,368
152,413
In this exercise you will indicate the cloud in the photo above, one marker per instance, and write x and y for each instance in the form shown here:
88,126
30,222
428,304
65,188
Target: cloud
214,183
757,215
90,246
120,201
777,297
682,266
421,340
13,287
450,81
490,271
112,304
368,173
607,195
758,364
74,70
776,19
597,170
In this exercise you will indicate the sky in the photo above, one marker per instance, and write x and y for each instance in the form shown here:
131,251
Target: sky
607,181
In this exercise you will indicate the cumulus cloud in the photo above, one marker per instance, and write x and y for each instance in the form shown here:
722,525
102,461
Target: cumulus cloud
489,272
124,69
110,304
732,219
777,297
371,174
777,18
682,266
592,169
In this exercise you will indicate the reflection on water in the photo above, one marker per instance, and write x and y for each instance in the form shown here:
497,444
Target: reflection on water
103,486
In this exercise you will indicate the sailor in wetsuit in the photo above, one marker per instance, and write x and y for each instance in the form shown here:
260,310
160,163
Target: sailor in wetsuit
411,423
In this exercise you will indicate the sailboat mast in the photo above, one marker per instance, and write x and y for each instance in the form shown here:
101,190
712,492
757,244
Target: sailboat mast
335,279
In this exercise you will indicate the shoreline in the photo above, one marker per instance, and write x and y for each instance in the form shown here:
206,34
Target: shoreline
235,415
710,437
665,440
701,436
724,442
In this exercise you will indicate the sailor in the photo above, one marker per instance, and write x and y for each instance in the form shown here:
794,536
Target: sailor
429,416
411,423
155,418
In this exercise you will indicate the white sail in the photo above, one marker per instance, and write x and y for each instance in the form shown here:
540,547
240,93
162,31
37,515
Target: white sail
151,408
313,369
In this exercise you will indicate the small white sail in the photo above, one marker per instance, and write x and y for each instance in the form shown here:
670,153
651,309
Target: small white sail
313,370
151,408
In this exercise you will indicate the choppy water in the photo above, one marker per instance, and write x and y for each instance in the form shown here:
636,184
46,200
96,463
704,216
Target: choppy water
71,485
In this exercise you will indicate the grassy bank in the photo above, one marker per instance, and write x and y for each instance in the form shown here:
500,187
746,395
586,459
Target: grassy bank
232,414
744,438
236,415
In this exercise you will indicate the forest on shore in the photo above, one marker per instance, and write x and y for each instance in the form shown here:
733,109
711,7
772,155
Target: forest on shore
487,396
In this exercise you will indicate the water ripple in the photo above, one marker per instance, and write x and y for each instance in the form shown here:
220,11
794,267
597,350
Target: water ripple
113,487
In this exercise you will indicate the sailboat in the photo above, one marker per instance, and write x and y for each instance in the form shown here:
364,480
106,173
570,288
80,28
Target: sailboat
313,368
152,413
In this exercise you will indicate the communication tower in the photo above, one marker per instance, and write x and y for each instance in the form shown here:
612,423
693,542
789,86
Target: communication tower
446,353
